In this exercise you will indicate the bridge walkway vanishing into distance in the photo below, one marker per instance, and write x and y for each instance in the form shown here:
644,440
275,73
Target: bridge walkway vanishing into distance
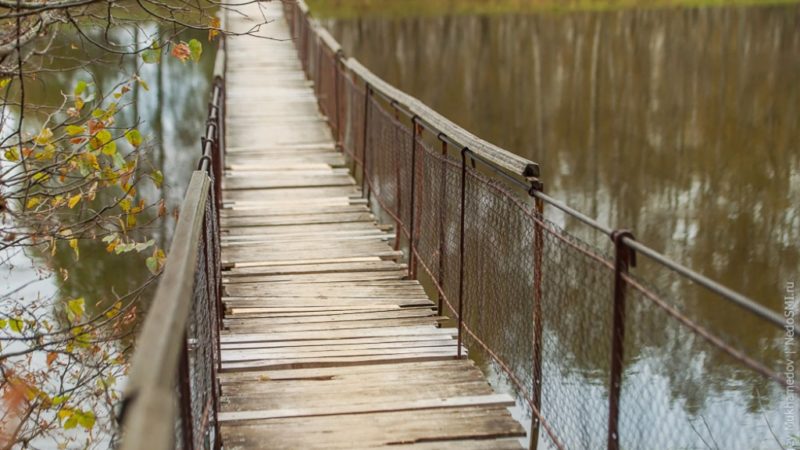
333,223
326,343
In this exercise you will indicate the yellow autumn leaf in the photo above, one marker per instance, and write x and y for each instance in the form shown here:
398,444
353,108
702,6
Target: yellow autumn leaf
74,130
91,160
32,202
44,136
12,154
213,28
73,243
74,200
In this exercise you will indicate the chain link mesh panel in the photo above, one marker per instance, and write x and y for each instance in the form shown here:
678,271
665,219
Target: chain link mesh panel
198,399
353,136
327,90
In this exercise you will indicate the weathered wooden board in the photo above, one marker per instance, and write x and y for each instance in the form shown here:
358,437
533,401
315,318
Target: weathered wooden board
377,429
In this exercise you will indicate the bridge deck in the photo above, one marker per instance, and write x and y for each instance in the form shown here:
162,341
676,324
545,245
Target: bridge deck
326,344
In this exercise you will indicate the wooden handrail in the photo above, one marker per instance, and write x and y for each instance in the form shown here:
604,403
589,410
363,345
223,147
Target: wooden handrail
149,412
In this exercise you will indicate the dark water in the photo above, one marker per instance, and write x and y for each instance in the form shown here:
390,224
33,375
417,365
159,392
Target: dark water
680,124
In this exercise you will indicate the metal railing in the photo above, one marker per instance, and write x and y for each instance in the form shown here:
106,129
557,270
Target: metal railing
171,398
570,328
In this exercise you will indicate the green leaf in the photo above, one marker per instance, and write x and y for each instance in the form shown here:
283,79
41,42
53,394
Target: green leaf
196,49
152,264
151,56
16,324
79,88
144,245
12,154
142,83
73,244
103,139
71,423
73,130
76,306
86,419
134,137
158,177
110,149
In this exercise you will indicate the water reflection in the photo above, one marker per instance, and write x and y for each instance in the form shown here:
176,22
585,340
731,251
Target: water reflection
680,124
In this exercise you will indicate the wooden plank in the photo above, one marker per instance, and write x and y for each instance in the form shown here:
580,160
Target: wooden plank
336,334
453,402
302,229
319,278
327,362
258,355
442,367
298,219
311,312
299,301
300,269
292,210
276,395
294,180
331,318
335,343
265,326
457,444
372,430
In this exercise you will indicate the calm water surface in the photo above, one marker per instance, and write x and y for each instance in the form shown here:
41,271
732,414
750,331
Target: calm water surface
680,124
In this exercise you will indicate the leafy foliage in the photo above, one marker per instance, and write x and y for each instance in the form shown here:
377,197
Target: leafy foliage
75,177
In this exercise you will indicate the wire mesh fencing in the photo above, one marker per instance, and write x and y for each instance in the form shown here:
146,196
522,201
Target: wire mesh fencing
604,349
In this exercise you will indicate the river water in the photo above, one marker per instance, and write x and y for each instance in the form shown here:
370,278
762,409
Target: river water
681,124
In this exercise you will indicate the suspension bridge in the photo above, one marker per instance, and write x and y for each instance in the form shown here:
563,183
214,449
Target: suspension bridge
344,256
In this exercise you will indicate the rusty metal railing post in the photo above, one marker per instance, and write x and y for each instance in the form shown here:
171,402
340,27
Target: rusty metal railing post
442,215
184,383
538,257
462,233
304,45
398,193
364,184
416,129
318,74
337,103
624,258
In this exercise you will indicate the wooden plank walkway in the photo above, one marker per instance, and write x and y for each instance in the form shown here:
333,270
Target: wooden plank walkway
325,343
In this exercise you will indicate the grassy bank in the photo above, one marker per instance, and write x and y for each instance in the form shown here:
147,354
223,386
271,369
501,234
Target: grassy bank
343,9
